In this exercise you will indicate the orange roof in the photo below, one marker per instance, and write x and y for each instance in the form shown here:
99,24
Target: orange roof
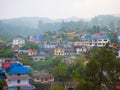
32,51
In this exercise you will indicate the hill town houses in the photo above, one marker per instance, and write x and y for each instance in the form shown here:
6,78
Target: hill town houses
66,44
62,43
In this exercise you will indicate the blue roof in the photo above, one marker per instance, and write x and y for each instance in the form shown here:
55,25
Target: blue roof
97,37
41,37
2,70
88,36
119,49
17,68
118,41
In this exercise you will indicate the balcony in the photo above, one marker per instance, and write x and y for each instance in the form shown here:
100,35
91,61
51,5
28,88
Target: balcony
16,77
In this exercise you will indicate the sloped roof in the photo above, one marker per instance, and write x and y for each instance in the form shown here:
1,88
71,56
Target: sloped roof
100,36
17,68
32,51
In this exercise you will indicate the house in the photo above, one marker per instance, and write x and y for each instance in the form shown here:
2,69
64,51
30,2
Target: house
59,51
32,52
22,51
67,44
37,38
70,33
38,58
81,46
81,43
18,77
18,41
49,52
42,51
42,77
98,41
6,63
69,51
80,49
51,45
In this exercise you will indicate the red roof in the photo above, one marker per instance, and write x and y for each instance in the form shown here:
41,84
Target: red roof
6,65
117,86
32,51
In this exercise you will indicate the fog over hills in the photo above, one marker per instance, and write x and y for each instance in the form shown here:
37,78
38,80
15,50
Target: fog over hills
25,26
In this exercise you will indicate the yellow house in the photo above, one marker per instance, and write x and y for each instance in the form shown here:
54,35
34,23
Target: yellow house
59,51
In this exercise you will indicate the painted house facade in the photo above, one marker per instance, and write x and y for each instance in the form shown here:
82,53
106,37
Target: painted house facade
42,77
18,41
98,41
80,50
18,77
51,45
32,52
38,58
59,51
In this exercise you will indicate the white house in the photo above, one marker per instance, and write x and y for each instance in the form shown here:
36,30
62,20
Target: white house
18,41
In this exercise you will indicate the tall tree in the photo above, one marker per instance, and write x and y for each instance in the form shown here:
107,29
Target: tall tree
60,73
101,71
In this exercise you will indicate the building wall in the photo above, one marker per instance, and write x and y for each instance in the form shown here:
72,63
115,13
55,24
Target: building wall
98,42
12,81
50,46
59,51
18,41
24,81
12,88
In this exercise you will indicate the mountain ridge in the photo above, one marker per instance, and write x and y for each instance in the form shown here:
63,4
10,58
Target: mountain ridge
26,26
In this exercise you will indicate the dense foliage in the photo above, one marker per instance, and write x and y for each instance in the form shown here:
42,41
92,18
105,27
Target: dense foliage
30,45
6,52
101,71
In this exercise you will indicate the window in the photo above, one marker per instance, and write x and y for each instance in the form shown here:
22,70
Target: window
105,40
46,79
41,79
99,43
37,78
18,81
18,74
99,40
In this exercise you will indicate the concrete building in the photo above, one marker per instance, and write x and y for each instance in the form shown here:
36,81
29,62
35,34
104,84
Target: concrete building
18,77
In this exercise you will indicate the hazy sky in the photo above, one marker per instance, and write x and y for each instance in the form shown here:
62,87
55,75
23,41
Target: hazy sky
57,9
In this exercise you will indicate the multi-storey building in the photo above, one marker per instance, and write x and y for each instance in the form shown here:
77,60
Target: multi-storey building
42,77
59,51
18,77
98,41
18,42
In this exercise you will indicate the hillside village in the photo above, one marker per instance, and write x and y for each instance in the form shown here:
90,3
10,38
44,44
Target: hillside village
67,45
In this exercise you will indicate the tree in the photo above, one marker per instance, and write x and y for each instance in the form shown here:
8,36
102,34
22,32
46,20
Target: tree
102,69
30,45
6,52
57,60
57,87
60,73
2,83
76,71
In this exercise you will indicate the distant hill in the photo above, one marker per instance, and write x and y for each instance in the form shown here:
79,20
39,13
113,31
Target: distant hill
25,26
106,21
31,22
